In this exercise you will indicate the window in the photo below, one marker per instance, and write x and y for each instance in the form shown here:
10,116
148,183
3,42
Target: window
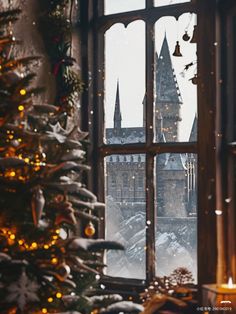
125,180
146,123
140,181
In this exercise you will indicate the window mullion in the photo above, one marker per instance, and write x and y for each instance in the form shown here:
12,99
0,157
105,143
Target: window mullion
98,124
150,208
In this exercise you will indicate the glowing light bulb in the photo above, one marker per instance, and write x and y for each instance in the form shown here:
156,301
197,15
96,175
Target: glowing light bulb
34,245
12,237
21,108
44,310
46,247
59,295
23,92
20,242
50,300
54,260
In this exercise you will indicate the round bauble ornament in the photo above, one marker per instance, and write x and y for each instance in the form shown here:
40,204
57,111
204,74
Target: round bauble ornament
89,229
186,36
194,79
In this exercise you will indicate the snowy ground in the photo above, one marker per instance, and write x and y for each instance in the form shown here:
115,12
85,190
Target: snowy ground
175,247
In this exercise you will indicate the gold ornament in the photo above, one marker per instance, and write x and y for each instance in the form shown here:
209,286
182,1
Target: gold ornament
90,229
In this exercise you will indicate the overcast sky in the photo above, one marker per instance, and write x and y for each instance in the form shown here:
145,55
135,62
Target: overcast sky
125,60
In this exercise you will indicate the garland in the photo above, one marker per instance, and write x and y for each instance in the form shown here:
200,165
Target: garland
56,28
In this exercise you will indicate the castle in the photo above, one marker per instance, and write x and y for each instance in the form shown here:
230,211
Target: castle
175,173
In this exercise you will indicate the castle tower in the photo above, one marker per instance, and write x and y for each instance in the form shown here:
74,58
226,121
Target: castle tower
168,99
172,182
117,114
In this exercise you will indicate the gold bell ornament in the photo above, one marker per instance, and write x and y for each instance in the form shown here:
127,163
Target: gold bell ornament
177,52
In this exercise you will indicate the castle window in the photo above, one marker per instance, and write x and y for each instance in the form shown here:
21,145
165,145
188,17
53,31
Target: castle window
140,180
125,180
152,102
113,180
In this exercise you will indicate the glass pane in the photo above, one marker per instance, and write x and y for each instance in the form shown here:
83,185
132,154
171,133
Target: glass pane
160,3
176,225
115,6
125,214
124,83
175,79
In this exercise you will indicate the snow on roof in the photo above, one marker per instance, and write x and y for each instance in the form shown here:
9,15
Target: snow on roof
175,162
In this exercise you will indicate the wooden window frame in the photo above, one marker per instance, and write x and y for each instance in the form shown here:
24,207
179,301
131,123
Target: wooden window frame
226,140
93,26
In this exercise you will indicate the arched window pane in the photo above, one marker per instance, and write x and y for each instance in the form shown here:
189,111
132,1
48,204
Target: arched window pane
118,6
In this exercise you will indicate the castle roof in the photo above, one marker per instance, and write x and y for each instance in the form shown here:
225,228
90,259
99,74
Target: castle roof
167,89
125,136
193,133
175,162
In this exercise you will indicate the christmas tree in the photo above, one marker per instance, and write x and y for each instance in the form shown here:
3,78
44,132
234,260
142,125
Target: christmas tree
45,264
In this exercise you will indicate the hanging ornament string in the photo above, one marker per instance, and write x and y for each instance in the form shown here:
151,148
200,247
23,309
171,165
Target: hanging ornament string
186,36
189,22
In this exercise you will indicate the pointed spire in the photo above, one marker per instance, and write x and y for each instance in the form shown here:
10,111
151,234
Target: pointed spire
144,103
193,133
175,162
117,113
166,85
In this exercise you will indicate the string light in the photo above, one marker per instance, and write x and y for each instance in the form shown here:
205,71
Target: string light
58,295
34,245
21,108
12,237
44,310
54,260
50,300
23,92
